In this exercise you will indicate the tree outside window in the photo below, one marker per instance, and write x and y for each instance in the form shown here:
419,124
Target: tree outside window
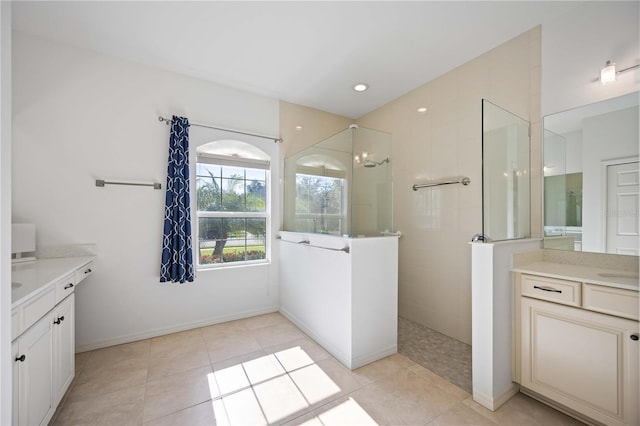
232,213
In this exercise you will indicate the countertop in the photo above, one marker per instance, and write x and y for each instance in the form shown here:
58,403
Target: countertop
33,277
606,277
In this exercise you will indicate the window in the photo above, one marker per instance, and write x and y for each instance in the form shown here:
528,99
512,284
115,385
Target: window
231,210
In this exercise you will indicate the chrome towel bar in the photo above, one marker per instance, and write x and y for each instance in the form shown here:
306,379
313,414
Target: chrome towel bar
102,182
345,249
463,180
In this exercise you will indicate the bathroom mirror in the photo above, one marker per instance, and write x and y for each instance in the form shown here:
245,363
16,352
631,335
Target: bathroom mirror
591,177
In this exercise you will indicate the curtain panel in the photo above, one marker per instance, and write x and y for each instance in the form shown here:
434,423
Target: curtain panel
177,252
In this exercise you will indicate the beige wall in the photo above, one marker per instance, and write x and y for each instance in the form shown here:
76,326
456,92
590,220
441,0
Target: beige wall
446,141
316,126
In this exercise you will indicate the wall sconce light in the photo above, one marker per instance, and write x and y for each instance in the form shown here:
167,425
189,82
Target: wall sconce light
608,73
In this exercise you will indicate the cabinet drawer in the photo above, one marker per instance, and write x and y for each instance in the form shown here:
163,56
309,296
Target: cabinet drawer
64,287
84,272
36,309
551,289
613,301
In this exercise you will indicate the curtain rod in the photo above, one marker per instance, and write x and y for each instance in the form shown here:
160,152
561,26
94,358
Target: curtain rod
167,121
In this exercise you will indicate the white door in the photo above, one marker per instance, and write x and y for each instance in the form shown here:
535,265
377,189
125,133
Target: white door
623,233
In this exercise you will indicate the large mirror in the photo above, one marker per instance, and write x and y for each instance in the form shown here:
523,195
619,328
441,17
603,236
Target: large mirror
591,178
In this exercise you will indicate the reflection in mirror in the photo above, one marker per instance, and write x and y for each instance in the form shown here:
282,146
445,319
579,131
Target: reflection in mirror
591,177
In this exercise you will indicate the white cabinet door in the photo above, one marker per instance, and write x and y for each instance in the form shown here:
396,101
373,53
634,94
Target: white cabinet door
63,347
34,374
15,391
584,360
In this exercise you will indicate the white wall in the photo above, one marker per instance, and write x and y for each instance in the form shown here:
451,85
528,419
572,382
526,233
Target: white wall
576,45
6,362
78,116
574,152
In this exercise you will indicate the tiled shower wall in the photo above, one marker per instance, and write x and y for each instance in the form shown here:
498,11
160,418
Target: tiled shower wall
446,141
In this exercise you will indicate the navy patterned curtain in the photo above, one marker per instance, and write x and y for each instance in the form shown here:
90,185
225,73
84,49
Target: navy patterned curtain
177,254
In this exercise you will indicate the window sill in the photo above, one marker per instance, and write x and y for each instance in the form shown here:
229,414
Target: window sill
234,265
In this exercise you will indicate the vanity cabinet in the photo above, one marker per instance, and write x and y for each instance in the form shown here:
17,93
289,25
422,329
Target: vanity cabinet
63,347
44,360
573,354
43,346
33,375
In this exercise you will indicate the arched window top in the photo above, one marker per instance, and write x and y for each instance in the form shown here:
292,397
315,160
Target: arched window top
233,149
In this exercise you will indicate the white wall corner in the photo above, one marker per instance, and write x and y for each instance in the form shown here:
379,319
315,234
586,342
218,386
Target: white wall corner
5,214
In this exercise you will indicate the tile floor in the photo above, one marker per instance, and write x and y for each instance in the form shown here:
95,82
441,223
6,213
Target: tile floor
447,357
264,370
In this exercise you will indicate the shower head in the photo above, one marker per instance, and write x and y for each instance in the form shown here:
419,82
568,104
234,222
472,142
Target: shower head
371,164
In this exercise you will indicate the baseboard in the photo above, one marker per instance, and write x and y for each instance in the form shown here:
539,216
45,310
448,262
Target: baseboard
560,407
369,358
493,403
173,329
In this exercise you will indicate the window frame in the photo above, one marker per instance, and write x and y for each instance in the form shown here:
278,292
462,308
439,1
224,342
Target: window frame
245,163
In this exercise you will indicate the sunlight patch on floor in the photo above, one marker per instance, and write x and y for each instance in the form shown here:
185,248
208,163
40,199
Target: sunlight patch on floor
274,387
347,413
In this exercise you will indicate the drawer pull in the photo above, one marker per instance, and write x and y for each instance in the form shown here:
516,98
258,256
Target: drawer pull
21,358
59,320
88,271
68,286
551,289
634,337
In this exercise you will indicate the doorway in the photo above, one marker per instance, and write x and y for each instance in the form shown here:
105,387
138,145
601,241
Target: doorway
623,196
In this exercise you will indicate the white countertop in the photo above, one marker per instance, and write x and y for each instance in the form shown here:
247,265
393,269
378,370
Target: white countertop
605,277
36,275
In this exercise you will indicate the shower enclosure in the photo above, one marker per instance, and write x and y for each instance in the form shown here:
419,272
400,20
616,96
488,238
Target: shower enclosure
338,287
341,186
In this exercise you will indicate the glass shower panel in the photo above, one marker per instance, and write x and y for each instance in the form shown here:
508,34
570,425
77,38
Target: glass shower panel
318,187
372,199
341,186
505,174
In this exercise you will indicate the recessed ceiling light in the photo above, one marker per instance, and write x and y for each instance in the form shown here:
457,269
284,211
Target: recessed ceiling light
422,110
298,127
360,87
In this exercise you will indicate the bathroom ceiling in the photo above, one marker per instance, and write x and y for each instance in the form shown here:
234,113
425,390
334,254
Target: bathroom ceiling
308,53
